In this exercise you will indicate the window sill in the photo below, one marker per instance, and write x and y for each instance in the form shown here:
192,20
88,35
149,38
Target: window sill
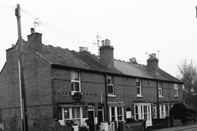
161,96
139,96
73,92
111,95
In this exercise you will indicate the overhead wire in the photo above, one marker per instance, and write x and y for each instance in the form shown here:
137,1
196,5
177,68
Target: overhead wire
48,27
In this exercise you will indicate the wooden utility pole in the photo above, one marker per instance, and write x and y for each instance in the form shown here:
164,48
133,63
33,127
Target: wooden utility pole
23,109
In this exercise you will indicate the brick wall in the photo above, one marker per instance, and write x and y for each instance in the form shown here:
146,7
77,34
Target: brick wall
92,86
38,90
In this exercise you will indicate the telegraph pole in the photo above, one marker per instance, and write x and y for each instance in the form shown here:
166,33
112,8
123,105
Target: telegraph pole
23,109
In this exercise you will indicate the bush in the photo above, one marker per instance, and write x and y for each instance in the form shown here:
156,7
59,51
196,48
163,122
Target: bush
181,112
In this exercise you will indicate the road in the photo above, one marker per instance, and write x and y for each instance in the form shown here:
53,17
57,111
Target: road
182,128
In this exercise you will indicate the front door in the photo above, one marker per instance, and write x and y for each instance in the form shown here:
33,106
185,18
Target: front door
100,116
91,120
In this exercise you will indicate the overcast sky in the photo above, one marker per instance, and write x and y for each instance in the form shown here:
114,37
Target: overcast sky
135,27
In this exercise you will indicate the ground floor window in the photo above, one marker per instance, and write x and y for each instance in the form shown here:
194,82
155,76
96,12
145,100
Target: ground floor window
142,111
136,114
154,112
77,114
120,111
116,113
163,111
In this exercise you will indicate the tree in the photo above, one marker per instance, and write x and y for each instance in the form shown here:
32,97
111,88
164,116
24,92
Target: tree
181,112
189,77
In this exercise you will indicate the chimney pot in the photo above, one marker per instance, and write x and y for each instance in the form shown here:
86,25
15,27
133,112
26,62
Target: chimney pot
106,42
32,30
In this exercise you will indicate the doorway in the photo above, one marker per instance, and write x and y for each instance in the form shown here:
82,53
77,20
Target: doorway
91,120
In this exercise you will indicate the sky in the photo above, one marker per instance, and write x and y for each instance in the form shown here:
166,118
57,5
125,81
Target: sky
136,28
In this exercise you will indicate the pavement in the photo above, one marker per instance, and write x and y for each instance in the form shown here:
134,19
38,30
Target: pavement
180,128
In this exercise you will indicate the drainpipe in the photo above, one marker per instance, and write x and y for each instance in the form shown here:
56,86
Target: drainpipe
157,98
106,109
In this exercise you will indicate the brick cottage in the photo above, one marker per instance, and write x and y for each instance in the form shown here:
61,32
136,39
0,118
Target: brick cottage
66,85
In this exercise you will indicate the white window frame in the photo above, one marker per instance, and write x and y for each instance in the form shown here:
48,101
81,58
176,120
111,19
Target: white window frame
141,112
116,115
176,90
70,109
73,81
162,109
140,87
160,91
111,85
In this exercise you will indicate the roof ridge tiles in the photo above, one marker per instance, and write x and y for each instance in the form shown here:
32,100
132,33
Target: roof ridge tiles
89,61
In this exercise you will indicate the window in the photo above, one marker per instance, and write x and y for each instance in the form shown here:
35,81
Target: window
145,112
139,87
142,111
110,86
160,91
176,90
120,113
136,112
113,113
116,113
162,110
77,114
75,82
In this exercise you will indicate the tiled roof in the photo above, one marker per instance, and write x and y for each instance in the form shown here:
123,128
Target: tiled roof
87,61
138,70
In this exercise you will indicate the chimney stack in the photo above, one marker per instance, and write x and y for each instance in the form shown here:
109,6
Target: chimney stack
133,60
82,48
35,40
152,62
107,53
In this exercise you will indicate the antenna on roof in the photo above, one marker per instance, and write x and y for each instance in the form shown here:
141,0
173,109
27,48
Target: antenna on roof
36,23
158,51
98,39
147,54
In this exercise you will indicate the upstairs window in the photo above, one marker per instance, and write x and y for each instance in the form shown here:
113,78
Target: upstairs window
160,91
110,86
176,90
75,82
139,88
